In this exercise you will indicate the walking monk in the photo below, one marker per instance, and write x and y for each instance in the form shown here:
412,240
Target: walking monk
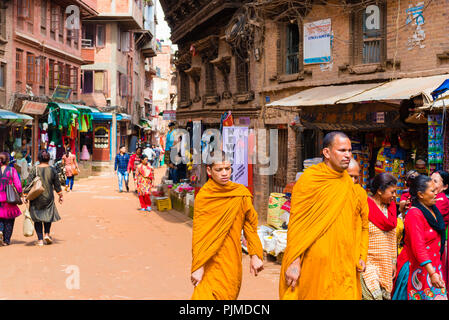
319,259
222,209
361,223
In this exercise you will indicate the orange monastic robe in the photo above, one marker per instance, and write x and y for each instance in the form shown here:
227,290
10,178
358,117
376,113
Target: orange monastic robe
321,232
220,214
361,232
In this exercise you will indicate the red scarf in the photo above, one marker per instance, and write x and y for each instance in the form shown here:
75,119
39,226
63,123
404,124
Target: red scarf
377,217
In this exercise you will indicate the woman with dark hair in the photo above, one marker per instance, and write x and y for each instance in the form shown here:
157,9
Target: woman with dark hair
43,209
134,162
377,280
425,239
145,177
406,202
441,180
8,212
70,164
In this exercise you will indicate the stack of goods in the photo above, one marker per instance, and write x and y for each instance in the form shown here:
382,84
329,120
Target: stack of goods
275,203
310,162
398,171
435,138
362,157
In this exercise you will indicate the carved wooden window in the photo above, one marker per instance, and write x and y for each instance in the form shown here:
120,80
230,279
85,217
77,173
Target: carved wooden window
242,71
74,81
185,86
211,84
2,75
289,49
54,17
61,24
368,30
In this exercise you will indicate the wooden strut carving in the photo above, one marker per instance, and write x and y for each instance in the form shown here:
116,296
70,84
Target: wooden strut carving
195,74
224,65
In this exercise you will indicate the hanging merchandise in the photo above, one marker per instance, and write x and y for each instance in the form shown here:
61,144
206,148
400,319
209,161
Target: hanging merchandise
435,140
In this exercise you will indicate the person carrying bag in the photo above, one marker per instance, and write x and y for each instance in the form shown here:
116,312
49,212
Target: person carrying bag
10,190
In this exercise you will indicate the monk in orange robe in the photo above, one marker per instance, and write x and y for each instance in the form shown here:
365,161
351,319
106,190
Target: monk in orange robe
361,223
319,262
222,210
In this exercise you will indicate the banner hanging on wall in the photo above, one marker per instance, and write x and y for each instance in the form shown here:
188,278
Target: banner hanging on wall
317,42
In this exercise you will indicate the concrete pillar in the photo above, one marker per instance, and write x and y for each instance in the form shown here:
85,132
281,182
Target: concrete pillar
114,135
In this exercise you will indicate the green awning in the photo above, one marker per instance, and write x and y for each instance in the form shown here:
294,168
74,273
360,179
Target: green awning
86,108
64,106
145,123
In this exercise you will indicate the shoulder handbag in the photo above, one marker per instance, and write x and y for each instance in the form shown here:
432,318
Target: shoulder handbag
35,188
28,226
12,196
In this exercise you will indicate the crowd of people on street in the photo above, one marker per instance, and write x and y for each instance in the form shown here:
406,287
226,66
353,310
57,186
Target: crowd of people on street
344,243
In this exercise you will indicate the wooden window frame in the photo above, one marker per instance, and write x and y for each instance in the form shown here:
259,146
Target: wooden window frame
30,69
3,74
54,21
84,81
103,37
62,17
74,80
357,36
242,74
211,80
104,81
184,80
3,23
44,13
51,74
282,52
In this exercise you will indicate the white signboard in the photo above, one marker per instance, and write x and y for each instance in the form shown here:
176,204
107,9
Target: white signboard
235,144
317,42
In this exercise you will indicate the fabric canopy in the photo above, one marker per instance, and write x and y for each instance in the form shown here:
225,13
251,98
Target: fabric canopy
9,118
99,116
441,89
64,106
324,95
9,115
86,108
393,91
400,89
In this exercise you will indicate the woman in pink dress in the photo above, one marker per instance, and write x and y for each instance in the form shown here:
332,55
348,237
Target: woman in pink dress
425,238
441,180
8,212
70,165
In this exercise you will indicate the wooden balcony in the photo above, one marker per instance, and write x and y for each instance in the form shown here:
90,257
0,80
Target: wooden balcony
88,55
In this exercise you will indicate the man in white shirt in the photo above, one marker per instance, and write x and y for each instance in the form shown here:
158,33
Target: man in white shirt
149,153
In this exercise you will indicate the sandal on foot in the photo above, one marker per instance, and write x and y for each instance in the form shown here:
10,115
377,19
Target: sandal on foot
48,240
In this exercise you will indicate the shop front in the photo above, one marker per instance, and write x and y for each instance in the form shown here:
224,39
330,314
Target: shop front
102,148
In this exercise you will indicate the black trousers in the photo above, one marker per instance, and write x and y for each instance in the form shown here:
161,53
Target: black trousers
7,226
38,228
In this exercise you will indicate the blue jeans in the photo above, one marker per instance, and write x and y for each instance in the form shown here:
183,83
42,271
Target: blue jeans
121,176
70,180
156,163
173,175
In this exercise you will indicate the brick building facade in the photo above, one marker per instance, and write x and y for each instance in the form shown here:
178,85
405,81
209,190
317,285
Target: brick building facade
242,55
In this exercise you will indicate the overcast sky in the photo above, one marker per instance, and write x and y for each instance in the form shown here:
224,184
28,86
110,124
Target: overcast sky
162,29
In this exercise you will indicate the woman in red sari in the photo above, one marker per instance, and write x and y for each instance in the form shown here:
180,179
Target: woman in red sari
425,238
441,180
377,280
144,177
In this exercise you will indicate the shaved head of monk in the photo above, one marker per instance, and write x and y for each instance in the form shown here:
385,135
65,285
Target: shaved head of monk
354,170
337,150
219,170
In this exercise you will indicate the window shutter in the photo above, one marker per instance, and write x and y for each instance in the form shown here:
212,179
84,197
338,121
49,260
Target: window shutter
279,52
357,36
